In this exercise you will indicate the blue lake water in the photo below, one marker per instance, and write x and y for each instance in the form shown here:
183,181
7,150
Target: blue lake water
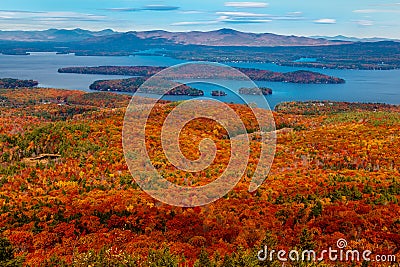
360,86
306,59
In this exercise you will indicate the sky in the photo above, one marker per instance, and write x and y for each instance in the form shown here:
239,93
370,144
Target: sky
358,18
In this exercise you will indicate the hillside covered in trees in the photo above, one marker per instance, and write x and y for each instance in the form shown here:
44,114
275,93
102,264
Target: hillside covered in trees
335,175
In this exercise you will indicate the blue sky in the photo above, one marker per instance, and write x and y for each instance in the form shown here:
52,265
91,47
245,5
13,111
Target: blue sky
360,18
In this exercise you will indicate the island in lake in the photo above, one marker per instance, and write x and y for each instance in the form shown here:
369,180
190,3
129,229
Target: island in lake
133,85
300,76
218,93
255,91
143,73
9,83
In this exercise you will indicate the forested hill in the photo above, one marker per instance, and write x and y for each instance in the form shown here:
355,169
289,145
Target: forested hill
68,199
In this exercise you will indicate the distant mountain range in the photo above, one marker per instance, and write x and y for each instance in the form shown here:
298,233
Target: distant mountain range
352,39
224,45
52,35
222,37
229,37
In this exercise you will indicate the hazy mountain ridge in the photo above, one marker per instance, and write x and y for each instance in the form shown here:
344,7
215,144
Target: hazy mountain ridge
353,39
229,37
53,35
225,45
222,37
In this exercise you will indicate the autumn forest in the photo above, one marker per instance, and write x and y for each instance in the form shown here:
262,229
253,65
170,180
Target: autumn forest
68,198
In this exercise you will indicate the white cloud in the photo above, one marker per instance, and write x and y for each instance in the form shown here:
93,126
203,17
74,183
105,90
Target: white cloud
295,13
16,20
250,17
191,12
48,15
246,21
259,16
145,8
288,16
325,21
63,14
159,8
368,11
122,9
241,14
194,23
364,22
365,11
389,4
223,19
246,4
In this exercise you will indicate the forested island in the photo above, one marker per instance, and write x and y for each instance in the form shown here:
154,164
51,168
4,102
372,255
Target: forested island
218,93
132,85
301,76
255,91
114,70
9,83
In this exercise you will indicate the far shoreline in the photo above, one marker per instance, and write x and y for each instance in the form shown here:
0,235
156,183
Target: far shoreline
308,65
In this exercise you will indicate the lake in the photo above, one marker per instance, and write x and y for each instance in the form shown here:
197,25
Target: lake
361,85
